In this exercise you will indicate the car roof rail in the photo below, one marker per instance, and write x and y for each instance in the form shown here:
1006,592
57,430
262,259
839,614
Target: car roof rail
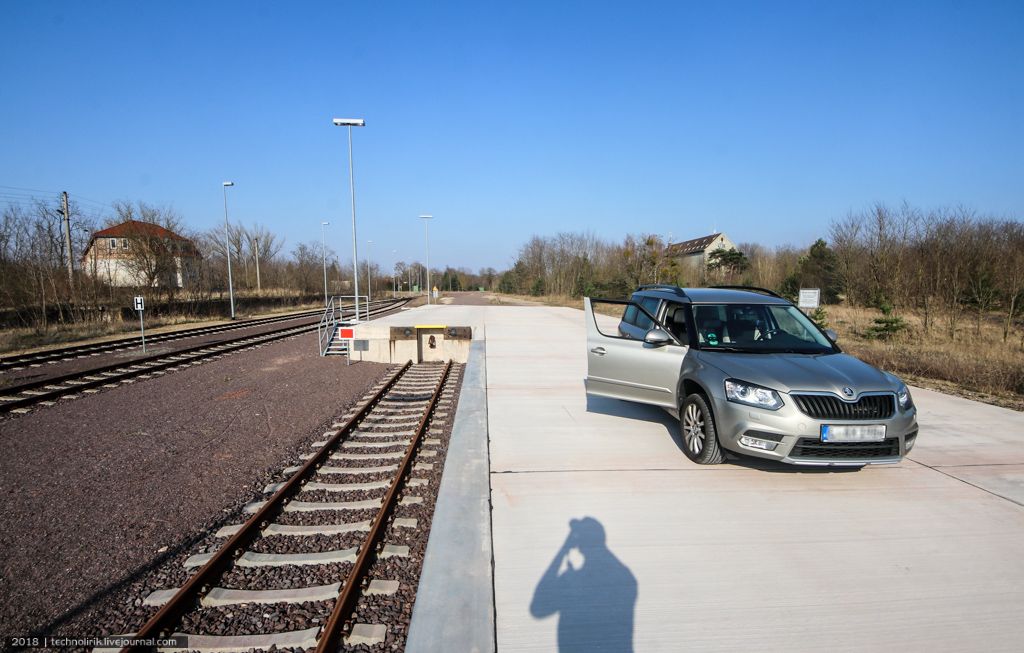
752,289
663,286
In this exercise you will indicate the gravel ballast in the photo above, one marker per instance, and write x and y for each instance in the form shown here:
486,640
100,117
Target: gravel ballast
393,611
107,489
87,362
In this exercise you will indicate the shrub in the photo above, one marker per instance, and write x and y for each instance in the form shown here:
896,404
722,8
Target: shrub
820,317
887,326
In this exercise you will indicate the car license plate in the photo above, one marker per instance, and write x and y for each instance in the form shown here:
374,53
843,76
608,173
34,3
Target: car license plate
849,433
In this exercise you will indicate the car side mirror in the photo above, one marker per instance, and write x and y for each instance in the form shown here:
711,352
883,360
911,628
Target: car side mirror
832,335
657,337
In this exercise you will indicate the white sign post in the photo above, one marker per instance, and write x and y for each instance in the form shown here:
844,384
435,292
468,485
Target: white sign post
140,305
809,298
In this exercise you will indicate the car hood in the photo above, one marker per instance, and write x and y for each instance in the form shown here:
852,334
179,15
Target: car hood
802,372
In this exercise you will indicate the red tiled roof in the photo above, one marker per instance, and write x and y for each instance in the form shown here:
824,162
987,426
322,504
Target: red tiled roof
137,229
692,246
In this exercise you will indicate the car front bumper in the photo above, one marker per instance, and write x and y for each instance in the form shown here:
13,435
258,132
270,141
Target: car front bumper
797,437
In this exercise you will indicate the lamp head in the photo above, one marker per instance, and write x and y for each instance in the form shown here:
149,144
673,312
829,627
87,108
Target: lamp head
228,183
349,122
426,216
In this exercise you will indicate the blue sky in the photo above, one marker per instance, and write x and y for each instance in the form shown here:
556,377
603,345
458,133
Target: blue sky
505,120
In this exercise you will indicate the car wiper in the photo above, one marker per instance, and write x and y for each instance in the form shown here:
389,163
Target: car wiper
733,349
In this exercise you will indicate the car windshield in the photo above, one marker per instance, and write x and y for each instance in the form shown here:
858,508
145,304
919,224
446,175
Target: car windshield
758,329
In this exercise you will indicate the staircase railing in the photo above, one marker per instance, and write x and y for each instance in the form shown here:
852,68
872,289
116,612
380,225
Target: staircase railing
334,315
327,327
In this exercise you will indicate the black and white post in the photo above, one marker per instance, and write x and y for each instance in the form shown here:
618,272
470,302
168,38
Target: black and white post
140,306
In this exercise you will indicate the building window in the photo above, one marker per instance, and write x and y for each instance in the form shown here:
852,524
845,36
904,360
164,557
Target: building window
124,243
112,243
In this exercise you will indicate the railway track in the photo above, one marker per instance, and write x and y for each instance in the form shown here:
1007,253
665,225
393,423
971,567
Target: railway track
51,356
310,567
20,398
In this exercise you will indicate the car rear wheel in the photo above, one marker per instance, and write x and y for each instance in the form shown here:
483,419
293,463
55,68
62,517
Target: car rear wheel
700,438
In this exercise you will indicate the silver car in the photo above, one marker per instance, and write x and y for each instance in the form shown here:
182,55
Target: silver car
746,371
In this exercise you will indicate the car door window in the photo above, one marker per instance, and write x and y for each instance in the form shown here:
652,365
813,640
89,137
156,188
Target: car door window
634,308
675,320
650,304
629,315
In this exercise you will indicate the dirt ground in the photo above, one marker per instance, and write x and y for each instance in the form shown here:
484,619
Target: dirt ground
484,299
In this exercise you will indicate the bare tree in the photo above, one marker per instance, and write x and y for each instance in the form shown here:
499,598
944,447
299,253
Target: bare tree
1011,280
155,250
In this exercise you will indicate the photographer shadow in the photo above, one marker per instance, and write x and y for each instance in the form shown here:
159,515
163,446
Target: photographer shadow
595,600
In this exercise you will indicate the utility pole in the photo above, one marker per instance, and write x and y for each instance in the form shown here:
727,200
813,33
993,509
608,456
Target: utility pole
257,243
67,238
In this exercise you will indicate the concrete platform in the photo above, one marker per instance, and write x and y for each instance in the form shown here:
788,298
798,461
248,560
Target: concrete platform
426,333
668,555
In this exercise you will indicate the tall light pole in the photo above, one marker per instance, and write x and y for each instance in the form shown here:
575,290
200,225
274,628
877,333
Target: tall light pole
227,246
323,235
426,236
369,279
350,123
394,276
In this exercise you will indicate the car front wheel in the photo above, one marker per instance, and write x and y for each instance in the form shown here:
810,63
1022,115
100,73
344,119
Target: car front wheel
700,439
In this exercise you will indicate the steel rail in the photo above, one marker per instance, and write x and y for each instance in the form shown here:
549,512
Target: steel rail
63,378
122,343
185,598
340,622
149,364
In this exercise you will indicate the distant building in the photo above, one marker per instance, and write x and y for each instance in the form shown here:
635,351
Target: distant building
136,253
693,254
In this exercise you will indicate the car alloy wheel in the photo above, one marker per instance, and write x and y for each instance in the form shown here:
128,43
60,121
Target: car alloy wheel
693,428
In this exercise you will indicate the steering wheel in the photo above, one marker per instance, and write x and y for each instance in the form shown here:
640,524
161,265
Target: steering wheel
765,333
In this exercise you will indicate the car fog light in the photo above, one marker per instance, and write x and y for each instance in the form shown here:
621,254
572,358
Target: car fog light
756,443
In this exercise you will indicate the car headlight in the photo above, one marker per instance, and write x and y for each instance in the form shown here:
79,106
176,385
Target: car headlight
903,397
752,395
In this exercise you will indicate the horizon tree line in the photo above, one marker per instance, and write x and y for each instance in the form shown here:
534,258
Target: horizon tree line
943,265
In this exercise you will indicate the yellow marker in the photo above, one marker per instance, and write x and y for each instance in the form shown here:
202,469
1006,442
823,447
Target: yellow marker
431,326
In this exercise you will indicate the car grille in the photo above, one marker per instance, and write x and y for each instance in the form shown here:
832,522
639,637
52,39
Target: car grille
812,448
828,407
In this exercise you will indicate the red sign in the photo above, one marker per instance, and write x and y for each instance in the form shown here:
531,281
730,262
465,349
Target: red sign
347,333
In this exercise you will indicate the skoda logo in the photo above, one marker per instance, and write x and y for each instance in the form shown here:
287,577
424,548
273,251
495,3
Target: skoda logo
848,391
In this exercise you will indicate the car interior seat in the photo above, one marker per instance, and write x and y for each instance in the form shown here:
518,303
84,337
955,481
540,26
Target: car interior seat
678,325
741,330
709,327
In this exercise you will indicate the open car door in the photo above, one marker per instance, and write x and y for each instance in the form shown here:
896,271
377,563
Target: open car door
625,368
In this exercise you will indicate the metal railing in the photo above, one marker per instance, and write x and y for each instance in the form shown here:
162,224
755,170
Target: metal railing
334,316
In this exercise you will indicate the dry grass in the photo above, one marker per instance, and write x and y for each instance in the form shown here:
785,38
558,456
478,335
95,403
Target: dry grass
977,364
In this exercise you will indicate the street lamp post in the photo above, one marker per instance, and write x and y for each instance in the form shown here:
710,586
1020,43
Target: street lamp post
426,237
394,276
323,235
227,246
350,123
369,279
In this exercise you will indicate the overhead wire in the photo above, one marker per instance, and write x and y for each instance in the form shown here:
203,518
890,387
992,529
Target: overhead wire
28,194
